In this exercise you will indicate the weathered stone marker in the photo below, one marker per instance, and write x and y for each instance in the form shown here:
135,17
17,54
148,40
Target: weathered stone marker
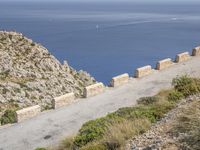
93,90
119,80
63,100
27,113
196,51
165,63
143,71
182,57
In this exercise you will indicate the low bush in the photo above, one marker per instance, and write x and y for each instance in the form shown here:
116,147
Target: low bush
148,100
161,108
66,144
186,85
90,131
175,96
8,117
131,113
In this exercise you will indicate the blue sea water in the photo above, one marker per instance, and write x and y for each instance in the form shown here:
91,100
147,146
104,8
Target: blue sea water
106,39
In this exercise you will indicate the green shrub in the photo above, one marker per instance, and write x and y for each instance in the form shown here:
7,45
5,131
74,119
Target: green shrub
175,96
161,108
8,117
148,100
96,129
152,112
131,113
186,85
90,131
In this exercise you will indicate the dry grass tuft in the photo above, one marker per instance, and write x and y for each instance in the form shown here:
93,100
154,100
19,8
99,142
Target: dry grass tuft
66,144
117,134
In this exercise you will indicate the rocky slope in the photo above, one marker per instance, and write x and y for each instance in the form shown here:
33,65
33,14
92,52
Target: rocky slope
178,130
30,75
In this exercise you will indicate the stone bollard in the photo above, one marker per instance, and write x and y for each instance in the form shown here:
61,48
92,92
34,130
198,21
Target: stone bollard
182,57
63,100
196,51
119,80
143,71
165,63
27,113
93,90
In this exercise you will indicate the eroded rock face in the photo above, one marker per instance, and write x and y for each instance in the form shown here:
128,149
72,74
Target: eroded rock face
30,75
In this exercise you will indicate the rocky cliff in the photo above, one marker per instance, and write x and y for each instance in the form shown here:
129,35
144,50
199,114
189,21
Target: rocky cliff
30,75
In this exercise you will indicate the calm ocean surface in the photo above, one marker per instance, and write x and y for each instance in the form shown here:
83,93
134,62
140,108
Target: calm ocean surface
106,39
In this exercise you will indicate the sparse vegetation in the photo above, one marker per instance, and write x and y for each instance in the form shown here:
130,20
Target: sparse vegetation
148,100
8,117
175,96
66,143
186,85
47,107
17,90
4,91
4,75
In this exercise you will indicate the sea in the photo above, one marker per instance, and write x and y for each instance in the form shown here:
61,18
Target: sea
106,39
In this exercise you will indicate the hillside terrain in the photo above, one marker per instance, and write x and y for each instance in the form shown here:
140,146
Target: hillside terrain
30,75
168,120
179,129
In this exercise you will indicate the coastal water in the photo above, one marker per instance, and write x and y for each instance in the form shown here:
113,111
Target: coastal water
106,39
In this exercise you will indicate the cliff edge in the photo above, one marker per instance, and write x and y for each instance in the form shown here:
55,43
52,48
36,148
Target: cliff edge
30,75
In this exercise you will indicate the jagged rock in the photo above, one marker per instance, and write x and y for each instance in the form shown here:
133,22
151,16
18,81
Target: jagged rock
2,99
30,75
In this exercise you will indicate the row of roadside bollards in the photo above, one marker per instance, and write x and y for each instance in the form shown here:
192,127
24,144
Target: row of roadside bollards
98,88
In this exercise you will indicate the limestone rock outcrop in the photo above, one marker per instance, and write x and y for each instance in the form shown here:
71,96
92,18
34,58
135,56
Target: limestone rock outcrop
30,75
